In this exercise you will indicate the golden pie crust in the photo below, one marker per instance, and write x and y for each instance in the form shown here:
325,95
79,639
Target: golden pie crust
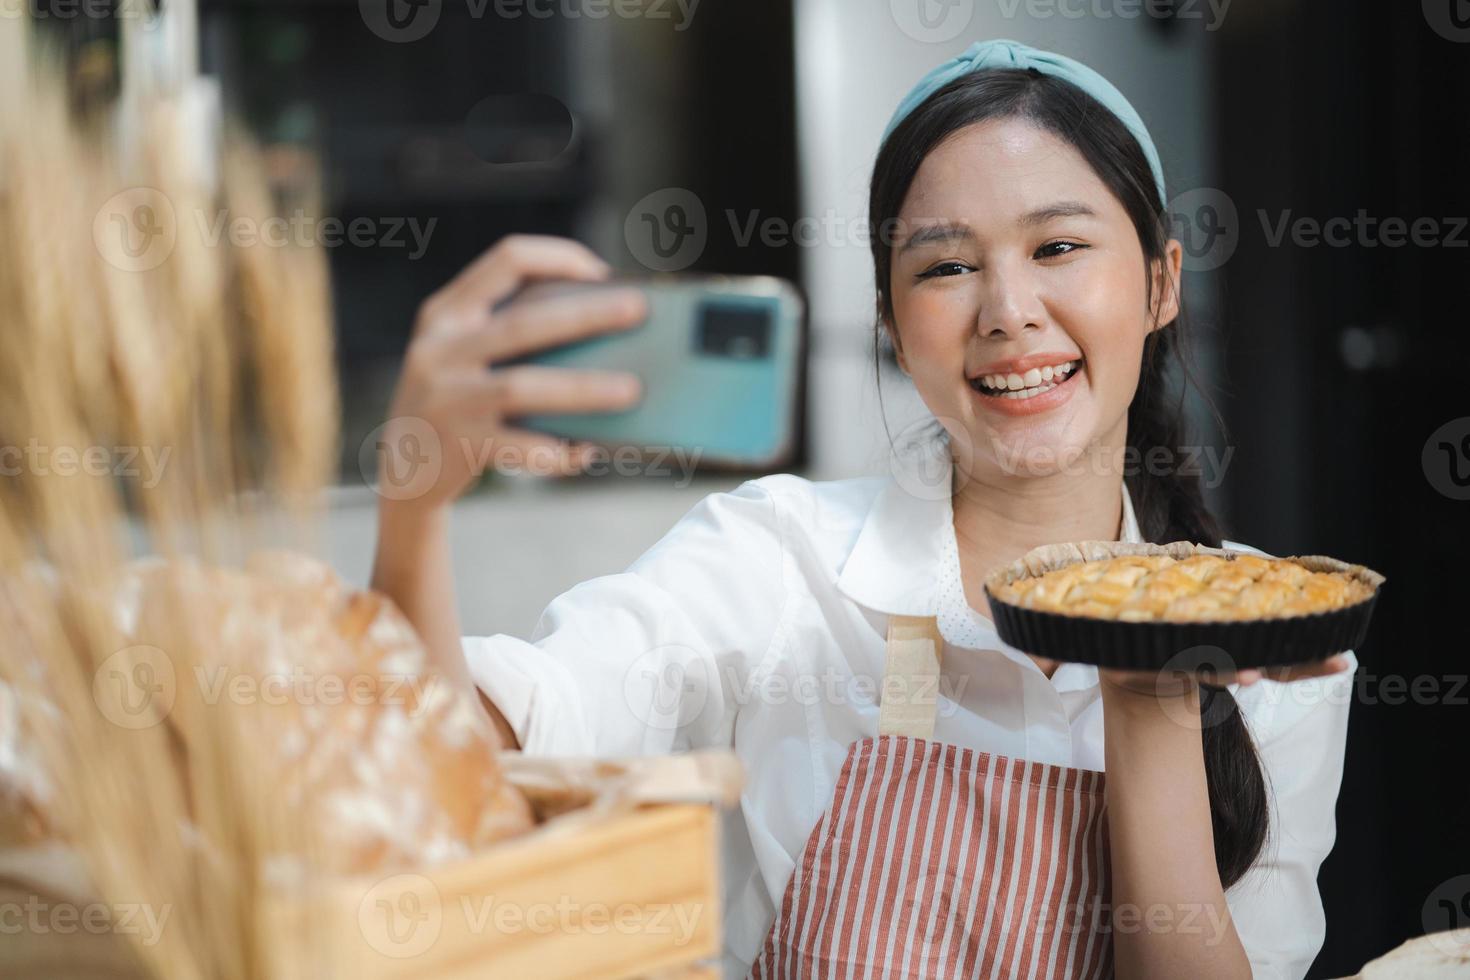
1178,583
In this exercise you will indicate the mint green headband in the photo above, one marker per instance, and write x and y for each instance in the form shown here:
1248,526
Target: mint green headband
1013,54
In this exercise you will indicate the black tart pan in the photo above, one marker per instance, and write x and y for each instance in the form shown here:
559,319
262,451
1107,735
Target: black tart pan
1218,644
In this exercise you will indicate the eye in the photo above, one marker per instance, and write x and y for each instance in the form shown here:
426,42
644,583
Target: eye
944,269
1053,249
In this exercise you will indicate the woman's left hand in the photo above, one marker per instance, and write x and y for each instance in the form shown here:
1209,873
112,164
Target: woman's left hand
1176,683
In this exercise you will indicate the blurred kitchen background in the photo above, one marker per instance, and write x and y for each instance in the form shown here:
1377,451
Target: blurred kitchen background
592,118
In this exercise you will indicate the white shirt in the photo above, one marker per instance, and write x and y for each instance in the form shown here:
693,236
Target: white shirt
758,623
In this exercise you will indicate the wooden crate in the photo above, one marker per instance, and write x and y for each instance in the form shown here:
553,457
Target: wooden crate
594,892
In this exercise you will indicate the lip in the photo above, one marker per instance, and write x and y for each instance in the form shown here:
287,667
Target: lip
1044,402
1020,365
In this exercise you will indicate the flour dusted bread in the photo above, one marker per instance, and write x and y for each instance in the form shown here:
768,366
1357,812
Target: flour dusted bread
384,763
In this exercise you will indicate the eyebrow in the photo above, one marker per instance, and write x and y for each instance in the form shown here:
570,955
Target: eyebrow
951,231
943,231
1062,209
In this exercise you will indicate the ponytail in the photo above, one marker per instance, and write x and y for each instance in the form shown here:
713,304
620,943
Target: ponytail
1170,506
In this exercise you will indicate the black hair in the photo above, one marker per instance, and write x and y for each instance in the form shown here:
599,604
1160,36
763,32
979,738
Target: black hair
1169,505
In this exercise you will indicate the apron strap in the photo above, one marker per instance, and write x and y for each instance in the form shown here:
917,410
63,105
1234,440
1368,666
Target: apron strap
909,698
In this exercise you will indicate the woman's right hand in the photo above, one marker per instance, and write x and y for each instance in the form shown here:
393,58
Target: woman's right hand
451,415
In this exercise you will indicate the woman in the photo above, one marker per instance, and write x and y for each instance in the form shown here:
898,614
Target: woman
1032,295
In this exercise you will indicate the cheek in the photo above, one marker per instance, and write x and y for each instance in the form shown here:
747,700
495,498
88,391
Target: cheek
935,325
1107,318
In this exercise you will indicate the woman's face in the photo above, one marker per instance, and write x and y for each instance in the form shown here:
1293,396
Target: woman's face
1016,270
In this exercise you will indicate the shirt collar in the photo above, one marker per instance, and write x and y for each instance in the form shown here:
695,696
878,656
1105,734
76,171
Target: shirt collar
899,562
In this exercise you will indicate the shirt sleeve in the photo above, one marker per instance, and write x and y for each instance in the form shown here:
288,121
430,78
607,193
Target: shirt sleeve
1301,732
654,659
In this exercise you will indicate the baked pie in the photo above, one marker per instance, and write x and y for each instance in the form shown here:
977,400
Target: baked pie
1143,606
1199,587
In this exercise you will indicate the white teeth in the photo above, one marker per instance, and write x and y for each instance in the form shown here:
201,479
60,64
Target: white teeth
1026,392
1032,382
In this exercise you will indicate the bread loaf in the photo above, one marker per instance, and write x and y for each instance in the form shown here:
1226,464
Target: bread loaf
385,763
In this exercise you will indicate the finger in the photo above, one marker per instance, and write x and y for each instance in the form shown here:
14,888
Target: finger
502,269
525,327
1316,668
473,407
532,389
1222,680
526,453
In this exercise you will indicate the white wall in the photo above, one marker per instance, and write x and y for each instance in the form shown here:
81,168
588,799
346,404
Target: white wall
521,544
855,62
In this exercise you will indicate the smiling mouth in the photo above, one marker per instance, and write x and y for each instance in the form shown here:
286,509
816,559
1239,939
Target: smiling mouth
1034,382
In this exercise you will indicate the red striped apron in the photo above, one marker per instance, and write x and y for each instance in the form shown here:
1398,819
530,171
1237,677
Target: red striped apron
938,861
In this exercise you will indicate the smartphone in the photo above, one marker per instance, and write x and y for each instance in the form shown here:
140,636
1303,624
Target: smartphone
720,358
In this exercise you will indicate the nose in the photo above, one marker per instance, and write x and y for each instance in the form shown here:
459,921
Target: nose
1010,302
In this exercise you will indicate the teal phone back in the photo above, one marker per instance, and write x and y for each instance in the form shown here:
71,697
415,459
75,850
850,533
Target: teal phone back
719,357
